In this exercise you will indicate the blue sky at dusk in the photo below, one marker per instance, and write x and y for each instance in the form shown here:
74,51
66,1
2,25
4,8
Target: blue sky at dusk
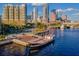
70,9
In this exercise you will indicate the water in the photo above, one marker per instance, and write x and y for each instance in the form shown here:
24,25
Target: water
66,44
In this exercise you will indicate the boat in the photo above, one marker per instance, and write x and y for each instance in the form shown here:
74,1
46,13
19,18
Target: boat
42,42
35,40
47,38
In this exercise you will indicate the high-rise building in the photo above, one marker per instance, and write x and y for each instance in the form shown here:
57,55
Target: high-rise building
5,15
39,19
64,17
14,14
0,23
35,13
31,16
53,16
11,13
59,14
23,13
45,13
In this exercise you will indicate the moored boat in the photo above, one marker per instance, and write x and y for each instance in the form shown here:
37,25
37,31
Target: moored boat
42,42
35,40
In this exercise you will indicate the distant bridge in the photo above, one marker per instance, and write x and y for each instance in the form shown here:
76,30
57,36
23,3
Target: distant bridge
70,24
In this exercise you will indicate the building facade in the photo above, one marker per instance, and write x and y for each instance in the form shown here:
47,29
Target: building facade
59,14
53,16
45,13
14,14
0,23
5,15
35,14
64,17
23,14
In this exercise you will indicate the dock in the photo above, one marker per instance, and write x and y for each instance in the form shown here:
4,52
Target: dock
5,42
20,42
34,40
14,47
14,41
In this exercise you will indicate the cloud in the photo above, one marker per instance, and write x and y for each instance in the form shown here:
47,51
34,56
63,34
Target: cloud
59,10
70,9
36,4
67,10
76,14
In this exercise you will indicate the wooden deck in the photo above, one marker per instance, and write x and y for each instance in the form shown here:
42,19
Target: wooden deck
14,41
5,42
30,39
20,42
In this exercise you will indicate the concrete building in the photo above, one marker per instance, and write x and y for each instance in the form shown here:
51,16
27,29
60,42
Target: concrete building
64,17
14,14
35,13
5,15
11,13
53,16
45,13
31,16
0,23
39,19
23,14
59,14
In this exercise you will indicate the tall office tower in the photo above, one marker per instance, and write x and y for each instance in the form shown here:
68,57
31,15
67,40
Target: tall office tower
64,17
45,13
14,14
11,13
5,15
35,13
31,16
59,14
0,23
53,16
0,19
22,14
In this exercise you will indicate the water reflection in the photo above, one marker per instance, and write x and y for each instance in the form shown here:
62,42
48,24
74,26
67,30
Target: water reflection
59,33
62,33
66,44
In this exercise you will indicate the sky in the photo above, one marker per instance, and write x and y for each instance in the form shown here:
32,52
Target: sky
69,9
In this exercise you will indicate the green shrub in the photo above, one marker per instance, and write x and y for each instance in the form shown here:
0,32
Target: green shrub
2,37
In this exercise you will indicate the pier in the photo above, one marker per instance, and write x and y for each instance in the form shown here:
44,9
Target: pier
21,43
14,47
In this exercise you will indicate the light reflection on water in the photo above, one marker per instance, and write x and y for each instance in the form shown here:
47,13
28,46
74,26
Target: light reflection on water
66,44
60,33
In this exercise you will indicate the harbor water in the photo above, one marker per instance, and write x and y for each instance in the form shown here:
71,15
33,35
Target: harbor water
66,43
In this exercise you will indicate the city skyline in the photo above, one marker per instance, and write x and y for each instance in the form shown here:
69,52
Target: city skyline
69,9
